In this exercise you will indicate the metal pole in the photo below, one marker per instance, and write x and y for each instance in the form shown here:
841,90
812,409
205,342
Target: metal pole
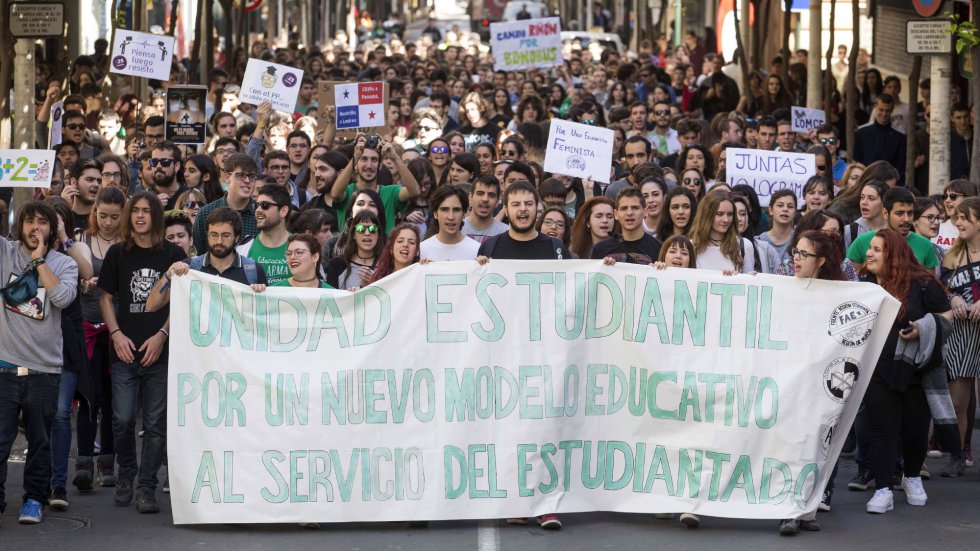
814,84
678,12
940,78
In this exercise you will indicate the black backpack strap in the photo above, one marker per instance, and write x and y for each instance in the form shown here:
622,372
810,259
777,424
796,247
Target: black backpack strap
492,244
559,249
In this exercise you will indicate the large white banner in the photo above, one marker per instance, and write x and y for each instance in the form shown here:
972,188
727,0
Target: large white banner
453,391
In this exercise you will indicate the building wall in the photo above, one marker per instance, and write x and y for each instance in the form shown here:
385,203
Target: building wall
889,44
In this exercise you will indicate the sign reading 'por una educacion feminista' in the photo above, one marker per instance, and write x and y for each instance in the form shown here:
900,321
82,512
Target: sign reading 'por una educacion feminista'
770,171
579,150
526,43
458,391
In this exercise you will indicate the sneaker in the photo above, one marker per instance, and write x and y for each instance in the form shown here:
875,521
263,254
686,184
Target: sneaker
862,481
897,479
690,520
146,501
789,527
914,492
824,506
954,468
123,492
84,466
59,499
934,454
924,473
933,450
810,525
517,521
881,502
106,465
968,460
550,522
30,512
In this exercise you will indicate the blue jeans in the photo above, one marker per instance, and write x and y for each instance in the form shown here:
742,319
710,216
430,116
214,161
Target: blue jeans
129,381
37,397
61,429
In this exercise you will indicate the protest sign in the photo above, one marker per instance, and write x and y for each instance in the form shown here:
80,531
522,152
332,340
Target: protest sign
454,390
54,124
526,43
185,114
359,105
770,171
26,167
142,54
265,80
326,101
579,150
805,120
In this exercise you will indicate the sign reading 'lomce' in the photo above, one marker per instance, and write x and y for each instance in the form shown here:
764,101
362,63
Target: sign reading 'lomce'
359,105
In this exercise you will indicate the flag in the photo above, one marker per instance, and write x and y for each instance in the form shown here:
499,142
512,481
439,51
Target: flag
359,105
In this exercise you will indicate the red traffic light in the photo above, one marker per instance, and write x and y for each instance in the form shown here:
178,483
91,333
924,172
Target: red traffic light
486,22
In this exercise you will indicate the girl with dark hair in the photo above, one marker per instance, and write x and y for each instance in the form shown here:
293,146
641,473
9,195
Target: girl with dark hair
782,209
818,192
776,95
680,205
438,155
848,203
825,222
872,216
758,219
953,194
485,154
697,156
824,161
872,86
463,169
363,200
354,266
555,222
303,259
457,143
503,112
401,252
200,172
895,401
593,223
654,192
692,179
677,252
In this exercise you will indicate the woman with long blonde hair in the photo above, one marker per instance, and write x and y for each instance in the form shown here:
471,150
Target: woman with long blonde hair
715,236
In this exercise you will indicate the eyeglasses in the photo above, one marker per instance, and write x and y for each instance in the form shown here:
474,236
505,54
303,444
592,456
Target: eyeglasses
803,254
266,205
194,204
952,196
557,224
165,163
297,253
297,145
932,218
214,236
112,175
244,177
661,112
362,228
154,136
75,126
226,150
693,181
825,141
439,149
278,168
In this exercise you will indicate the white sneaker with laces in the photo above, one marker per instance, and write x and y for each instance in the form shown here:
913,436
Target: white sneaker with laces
881,502
914,492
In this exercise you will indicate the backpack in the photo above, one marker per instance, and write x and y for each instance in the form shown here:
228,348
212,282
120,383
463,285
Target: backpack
559,247
251,272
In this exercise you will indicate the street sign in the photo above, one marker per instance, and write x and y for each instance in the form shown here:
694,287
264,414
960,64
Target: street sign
36,19
927,8
928,37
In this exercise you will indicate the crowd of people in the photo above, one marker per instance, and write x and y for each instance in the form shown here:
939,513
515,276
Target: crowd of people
283,199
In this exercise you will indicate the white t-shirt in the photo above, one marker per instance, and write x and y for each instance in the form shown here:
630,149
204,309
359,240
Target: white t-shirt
712,259
437,251
947,235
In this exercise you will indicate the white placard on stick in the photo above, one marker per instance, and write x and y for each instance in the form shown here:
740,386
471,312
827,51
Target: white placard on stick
770,171
579,150
805,119
265,80
54,123
525,44
26,167
142,54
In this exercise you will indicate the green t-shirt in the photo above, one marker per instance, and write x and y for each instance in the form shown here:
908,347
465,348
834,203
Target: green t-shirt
272,260
285,283
922,248
389,196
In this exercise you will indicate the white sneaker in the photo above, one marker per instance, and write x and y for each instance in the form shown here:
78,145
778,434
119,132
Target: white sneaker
914,492
881,502
690,520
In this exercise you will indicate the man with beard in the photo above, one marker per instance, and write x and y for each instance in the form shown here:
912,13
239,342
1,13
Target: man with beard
365,163
269,246
898,206
84,182
326,168
480,225
241,173
31,348
165,163
224,227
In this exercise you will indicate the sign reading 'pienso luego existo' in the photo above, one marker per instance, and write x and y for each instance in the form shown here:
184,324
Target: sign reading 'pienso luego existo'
770,171
458,391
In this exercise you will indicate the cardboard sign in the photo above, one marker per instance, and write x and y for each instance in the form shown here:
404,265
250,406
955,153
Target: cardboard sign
805,119
526,44
579,150
265,80
185,122
142,54
359,105
770,171
26,167
54,124
326,98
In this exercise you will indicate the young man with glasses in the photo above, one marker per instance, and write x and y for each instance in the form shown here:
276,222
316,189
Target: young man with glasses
268,248
241,172
165,164
154,131
827,136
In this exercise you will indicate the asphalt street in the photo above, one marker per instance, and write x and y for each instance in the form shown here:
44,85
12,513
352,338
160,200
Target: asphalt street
950,521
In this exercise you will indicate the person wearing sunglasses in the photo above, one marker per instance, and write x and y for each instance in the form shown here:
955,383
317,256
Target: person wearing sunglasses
827,136
268,248
663,137
73,130
165,164
354,266
191,202
953,194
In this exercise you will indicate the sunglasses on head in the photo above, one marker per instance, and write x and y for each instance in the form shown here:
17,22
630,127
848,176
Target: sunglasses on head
439,149
165,163
364,228
193,204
